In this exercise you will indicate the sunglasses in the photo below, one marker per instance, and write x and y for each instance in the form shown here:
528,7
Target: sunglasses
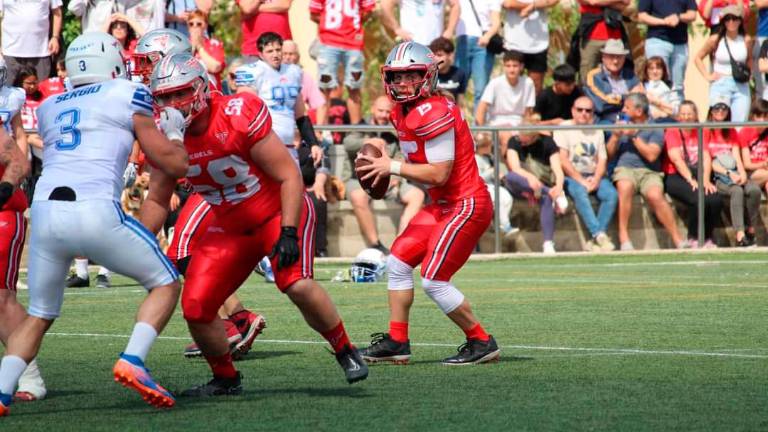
720,107
731,18
195,24
584,110
121,24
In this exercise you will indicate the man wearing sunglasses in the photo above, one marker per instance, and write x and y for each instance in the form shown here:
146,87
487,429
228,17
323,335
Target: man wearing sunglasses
584,159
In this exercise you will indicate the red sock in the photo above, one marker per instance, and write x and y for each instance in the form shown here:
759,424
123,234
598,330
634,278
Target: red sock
398,331
337,337
477,332
222,366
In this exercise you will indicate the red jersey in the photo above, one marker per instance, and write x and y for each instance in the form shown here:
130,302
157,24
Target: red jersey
715,142
221,169
750,138
29,112
51,86
341,21
434,130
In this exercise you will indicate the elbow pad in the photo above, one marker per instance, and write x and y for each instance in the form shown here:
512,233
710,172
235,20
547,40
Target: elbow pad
307,132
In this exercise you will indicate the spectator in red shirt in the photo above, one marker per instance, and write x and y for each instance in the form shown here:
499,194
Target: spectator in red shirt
57,84
126,31
208,50
754,146
259,16
340,31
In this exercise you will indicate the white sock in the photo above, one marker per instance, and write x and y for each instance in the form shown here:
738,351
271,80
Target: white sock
31,381
141,341
104,271
11,369
81,267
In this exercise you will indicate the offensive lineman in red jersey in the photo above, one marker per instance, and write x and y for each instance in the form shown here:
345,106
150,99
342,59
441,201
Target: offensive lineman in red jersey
240,167
439,152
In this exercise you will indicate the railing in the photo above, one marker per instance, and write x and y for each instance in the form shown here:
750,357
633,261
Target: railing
494,130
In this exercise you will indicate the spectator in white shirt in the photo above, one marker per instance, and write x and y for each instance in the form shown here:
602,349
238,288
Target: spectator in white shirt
94,13
526,29
478,22
420,21
27,37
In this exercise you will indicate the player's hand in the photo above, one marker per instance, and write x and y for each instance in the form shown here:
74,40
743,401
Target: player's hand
287,247
175,201
317,154
6,192
172,123
129,175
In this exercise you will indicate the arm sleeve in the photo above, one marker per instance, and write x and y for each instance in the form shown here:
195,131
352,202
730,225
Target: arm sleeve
430,119
316,6
141,101
530,99
487,96
441,148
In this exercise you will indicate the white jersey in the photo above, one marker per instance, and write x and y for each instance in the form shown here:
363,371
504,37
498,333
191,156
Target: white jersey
279,89
423,18
11,101
87,138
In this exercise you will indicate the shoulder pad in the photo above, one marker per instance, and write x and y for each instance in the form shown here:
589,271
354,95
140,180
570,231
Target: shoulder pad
247,74
430,118
247,114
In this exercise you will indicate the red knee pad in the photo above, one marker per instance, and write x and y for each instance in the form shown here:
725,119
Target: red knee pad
198,311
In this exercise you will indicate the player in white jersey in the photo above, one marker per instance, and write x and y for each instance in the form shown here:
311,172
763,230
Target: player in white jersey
76,210
11,101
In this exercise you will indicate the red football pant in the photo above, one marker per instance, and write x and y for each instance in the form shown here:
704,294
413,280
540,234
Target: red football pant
223,259
13,229
442,236
194,219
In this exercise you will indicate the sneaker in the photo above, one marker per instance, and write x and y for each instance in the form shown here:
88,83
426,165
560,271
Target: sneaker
75,281
250,326
135,376
693,243
217,387
745,242
31,385
709,244
384,349
509,230
591,246
475,351
354,367
233,337
265,269
5,404
684,244
605,243
548,248
102,281
627,246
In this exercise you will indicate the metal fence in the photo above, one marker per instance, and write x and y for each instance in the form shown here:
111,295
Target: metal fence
494,130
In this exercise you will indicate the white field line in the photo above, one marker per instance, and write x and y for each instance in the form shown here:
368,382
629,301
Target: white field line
616,351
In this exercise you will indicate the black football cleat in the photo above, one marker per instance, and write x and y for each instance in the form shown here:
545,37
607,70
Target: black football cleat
475,351
75,281
217,387
354,367
384,349
102,281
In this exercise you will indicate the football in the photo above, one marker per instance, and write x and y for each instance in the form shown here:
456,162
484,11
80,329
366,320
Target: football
380,190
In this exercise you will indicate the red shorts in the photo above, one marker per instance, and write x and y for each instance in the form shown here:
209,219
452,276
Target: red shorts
13,229
224,258
194,219
442,236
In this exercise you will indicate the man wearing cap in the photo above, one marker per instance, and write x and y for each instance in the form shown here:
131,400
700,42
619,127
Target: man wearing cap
637,154
608,84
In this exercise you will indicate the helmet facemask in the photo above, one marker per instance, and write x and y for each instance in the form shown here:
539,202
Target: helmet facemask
190,98
423,87
143,63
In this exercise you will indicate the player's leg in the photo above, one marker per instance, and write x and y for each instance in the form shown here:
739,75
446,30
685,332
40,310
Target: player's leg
354,76
451,243
407,252
138,256
221,263
312,300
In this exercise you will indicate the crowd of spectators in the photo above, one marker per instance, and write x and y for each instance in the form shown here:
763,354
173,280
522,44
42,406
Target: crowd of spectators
469,38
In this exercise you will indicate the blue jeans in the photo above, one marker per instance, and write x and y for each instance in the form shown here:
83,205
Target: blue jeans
675,57
328,60
474,60
606,194
737,93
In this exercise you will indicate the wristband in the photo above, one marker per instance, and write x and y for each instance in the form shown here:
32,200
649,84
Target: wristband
394,167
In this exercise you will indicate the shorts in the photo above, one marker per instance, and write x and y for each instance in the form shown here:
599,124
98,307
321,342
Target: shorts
194,219
442,236
328,60
13,229
224,258
641,178
536,62
98,230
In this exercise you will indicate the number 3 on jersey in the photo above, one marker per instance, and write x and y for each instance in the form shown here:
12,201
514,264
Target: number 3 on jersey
69,134
232,173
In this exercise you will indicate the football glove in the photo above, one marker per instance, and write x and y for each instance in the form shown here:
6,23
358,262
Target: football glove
130,174
6,191
172,123
287,247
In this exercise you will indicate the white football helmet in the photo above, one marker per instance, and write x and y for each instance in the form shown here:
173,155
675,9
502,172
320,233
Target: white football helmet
370,265
94,57
406,57
181,82
3,71
154,46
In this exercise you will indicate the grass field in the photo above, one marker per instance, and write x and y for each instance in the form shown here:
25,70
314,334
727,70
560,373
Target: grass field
653,342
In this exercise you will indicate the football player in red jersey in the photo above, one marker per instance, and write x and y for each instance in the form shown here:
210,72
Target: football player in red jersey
240,167
439,152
